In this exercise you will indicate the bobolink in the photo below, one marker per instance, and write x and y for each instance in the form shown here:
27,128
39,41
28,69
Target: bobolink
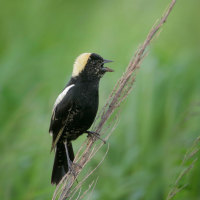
75,109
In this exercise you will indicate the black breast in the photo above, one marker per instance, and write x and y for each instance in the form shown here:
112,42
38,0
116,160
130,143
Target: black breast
84,110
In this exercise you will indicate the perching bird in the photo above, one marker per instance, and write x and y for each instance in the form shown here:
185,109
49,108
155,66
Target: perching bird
74,110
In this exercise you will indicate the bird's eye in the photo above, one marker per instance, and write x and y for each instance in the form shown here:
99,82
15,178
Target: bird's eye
94,62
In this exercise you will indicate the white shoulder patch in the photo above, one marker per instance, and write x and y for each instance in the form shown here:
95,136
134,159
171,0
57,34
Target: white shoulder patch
51,133
80,63
61,96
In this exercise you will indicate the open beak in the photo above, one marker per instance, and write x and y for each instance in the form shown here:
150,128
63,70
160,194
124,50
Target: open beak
106,61
106,69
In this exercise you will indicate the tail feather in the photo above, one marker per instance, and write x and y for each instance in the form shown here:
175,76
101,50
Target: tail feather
60,167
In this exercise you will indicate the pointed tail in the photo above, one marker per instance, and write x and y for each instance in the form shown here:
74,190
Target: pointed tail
60,166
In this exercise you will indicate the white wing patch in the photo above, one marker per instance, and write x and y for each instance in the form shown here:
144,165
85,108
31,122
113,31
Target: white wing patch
80,63
51,133
61,96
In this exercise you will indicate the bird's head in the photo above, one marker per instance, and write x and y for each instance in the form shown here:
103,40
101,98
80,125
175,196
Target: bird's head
90,65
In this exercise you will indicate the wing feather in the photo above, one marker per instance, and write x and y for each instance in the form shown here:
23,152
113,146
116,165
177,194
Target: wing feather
62,106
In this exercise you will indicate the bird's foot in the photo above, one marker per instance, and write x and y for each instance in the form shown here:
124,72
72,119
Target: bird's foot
70,168
96,135
76,164
70,164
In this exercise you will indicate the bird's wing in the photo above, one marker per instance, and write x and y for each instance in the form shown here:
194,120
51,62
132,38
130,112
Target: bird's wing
61,96
60,112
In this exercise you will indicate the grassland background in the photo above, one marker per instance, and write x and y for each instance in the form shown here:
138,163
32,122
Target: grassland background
40,40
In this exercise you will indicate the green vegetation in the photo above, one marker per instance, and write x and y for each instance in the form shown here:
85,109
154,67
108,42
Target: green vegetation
159,122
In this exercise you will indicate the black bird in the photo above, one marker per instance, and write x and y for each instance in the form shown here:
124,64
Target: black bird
74,110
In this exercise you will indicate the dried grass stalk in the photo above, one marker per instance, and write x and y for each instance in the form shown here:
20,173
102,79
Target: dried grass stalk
190,153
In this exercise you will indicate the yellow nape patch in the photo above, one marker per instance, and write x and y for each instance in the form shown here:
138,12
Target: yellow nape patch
80,63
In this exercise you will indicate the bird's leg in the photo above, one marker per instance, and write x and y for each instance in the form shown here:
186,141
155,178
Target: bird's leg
96,135
69,162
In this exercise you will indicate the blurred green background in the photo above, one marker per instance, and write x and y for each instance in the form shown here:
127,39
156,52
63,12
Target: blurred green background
40,40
